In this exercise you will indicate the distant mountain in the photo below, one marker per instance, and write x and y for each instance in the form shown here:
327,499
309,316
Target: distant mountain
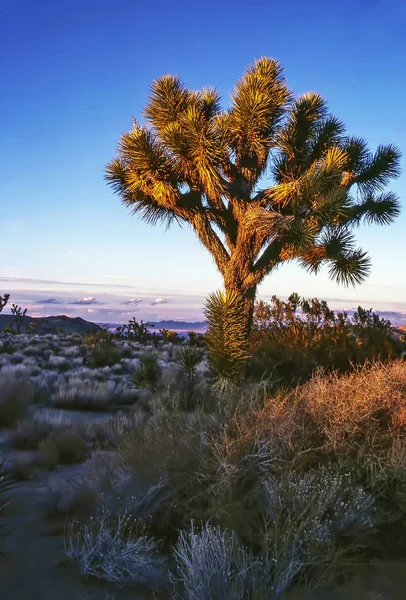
180,326
53,324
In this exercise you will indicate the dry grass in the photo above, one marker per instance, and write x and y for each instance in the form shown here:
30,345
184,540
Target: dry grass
299,478
369,404
110,548
16,395
363,411
64,447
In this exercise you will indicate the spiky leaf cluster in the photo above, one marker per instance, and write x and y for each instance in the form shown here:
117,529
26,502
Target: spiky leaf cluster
270,179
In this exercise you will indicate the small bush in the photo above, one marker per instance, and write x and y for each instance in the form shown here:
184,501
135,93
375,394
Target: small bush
59,362
7,347
108,547
103,354
29,436
7,483
212,563
169,336
138,332
65,448
292,338
82,394
16,395
148,373
188,359
78,501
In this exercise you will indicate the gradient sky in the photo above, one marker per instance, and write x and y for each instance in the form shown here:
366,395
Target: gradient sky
73,74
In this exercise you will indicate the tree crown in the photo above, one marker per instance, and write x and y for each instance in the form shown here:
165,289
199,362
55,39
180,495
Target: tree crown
272,178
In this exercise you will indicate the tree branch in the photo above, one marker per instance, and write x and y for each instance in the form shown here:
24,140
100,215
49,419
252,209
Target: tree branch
210,240
267,261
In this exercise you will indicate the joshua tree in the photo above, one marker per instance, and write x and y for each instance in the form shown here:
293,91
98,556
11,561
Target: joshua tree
271,179
3,301
19,316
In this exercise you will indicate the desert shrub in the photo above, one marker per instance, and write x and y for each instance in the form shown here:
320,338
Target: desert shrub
354,419
16,395
291,338
211,563
290,520
7,483
188,390
96,337
284,483
16,358
73,499
108,434
138,332
29,436
59,362
103,354
83,394
169,336
367,406
188,359
65,447
39,427
149,371
109,547
7,347
195,339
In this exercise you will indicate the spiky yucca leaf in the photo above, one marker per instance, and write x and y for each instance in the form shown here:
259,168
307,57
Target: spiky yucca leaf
226,340
350,267
188,359
148,373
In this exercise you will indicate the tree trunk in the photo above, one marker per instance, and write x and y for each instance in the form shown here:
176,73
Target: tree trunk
233,283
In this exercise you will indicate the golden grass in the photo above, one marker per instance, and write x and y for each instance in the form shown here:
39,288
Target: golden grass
365,408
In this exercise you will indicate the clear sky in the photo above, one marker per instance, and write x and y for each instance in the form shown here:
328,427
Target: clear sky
73,74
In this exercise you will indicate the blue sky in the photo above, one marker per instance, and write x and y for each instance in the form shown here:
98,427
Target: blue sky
74,72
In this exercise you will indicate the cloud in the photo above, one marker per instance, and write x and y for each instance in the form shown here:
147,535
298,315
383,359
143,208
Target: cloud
86,301
159,301
133,301
48,301
33,280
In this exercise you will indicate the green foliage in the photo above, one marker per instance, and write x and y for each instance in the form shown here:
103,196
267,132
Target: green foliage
32,328
196,339
291,338
9,329
103,350
139,332
16,395
148,373
7,347
96,337
189,392
64,447
226,339
188,359
169,336
194,162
